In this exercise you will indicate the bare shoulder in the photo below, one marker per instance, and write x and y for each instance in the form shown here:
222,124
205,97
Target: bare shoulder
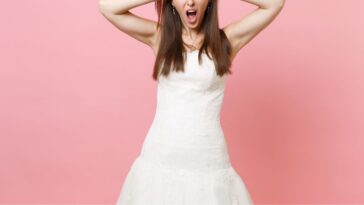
139,28
242,31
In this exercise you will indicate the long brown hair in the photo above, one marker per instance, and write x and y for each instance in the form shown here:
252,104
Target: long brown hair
171,47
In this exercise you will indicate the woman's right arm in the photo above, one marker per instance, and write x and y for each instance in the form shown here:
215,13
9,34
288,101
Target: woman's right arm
142,29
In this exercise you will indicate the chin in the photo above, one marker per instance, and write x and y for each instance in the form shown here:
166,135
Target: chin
192,25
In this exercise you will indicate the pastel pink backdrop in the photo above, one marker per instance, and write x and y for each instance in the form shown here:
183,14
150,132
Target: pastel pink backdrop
77,99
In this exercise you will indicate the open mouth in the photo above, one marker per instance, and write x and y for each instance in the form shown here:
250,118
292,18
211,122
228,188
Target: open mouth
191,15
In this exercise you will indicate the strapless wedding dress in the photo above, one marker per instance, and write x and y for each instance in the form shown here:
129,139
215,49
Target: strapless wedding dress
184,158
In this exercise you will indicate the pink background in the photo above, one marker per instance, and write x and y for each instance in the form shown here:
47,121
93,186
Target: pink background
77,99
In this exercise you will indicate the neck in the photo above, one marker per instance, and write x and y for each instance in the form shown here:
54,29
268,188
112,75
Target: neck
192,34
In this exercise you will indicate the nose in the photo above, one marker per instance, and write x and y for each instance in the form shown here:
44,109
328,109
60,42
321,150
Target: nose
190,2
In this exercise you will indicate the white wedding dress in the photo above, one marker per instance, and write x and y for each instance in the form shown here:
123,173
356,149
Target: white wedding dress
184,158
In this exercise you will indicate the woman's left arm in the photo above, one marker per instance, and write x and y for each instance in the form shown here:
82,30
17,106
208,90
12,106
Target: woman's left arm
245,29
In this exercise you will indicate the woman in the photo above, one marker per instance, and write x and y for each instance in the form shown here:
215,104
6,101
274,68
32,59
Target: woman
184,158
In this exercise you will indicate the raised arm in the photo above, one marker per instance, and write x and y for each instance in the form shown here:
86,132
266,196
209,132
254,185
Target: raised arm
245,29
141,29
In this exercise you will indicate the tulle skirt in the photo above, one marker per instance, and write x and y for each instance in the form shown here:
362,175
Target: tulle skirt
163,175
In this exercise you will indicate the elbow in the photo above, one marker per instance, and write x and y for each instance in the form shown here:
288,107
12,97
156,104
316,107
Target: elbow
277,4
107,7
102,6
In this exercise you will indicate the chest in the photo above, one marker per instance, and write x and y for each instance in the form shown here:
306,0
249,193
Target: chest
197,77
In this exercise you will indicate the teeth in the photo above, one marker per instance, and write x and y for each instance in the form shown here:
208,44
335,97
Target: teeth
191,12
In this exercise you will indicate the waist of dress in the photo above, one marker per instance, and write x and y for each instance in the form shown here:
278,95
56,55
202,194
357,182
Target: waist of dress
192,158
190,135
187,113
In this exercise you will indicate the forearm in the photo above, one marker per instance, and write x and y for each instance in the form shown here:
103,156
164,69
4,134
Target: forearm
120,6
266,4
